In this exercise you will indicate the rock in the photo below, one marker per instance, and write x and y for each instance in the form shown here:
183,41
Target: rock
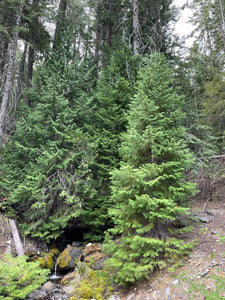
114,297
69,258
213,264
204,273
204,219
57,293
93,256
76,244
175,282
47,261
68,277
98,264
214,232
167,294
91,248
48,287
38,294
132,297
208,213
55,252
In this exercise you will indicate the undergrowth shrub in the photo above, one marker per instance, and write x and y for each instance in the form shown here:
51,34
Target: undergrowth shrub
18,278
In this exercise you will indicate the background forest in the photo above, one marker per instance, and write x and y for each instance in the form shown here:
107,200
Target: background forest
104,111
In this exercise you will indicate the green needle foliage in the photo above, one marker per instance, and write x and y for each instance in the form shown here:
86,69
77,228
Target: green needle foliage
18,278
46,165
114,90
149,189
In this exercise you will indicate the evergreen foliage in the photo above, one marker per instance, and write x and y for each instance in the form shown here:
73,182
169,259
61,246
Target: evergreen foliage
149,189
114,89
18,278
46,164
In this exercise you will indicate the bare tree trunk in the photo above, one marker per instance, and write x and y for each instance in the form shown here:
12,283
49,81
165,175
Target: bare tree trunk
21,73
31,60
16,238
222,21
7,85
136,44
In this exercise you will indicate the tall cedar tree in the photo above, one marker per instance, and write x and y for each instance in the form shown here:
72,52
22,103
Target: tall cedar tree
149,189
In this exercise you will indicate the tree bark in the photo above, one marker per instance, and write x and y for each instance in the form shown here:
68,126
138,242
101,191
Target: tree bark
30,65
16,238
222,21
136,44
3,55
60,23
7,85
21,73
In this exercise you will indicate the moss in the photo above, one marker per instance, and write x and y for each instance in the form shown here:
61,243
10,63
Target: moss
63,261
50,261
47,261
42,262
69,258
85,292
94,285
55,252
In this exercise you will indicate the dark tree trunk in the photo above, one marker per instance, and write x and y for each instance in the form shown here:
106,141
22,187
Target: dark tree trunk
60,23
4,44
31,60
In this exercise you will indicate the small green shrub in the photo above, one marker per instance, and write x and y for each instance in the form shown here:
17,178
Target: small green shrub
18,278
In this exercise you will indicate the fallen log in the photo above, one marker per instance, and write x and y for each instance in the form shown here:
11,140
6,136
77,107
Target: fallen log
16,238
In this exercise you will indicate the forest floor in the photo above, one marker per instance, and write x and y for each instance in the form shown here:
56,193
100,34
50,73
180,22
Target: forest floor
205,260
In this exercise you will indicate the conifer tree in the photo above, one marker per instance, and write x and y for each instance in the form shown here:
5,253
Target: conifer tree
149,189
114,89
46,166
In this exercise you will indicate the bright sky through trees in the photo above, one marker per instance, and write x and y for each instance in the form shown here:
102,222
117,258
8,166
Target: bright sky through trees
183,26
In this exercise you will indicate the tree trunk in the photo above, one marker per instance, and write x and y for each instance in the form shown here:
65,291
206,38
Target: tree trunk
3,55
21,73
222,21
16,238
31,60
7,85
60,23
136,44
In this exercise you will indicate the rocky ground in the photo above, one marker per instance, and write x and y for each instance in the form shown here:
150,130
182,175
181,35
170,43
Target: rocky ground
206,259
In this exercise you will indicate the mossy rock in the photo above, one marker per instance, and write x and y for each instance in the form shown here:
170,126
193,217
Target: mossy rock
47,261
55,252
69,258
